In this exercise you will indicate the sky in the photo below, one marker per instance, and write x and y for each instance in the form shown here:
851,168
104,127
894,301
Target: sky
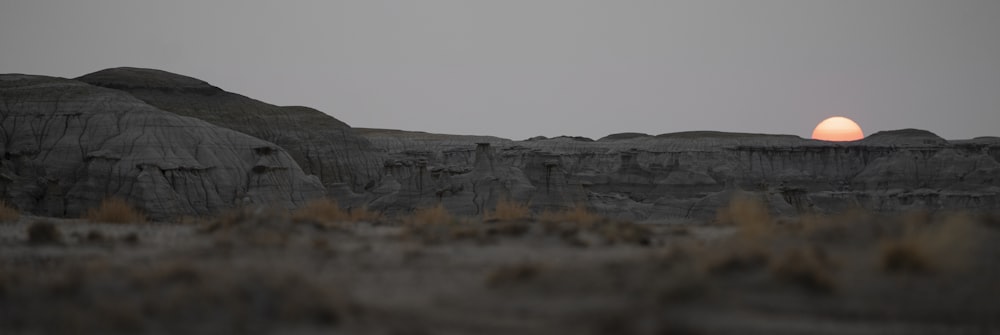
523,68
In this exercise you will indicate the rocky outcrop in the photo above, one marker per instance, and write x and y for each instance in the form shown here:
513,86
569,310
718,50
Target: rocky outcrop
67,145
175,145
322,145
692,174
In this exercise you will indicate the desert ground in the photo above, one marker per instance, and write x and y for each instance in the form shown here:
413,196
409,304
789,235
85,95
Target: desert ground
323,269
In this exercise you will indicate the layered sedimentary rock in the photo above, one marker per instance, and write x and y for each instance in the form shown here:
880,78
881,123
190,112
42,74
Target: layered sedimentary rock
67,145
322,145
692,174
176,145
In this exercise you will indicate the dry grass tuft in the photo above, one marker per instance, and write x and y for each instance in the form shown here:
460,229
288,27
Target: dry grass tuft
580,227
362,215
578,214
508,210
435,225
625,232
905,256
430,216
8,213
320,210
44,232
326,211
115,210
259,227
749,214
853,226
809,268
823,228
927,247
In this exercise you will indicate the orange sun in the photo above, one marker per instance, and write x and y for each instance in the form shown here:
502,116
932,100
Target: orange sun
839,129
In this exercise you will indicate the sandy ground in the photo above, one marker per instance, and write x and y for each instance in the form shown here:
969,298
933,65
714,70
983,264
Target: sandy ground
265,273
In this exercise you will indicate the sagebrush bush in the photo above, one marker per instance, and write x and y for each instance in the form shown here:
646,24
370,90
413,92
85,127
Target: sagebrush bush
749,214
905,256
321,210
362,215
578,214
926,247
432,215
115,210
8,213
507,210
253,226
329,211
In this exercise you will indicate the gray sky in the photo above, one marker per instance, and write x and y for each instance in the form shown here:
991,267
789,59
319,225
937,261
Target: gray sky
519,68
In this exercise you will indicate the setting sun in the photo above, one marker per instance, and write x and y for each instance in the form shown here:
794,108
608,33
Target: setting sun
839,129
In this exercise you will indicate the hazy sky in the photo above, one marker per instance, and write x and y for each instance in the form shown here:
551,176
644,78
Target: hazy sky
520,68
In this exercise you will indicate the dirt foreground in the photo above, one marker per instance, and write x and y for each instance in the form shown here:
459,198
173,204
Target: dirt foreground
262,271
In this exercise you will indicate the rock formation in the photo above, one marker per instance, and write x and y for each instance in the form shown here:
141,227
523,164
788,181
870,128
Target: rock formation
322,145
67,145
175,145
692,174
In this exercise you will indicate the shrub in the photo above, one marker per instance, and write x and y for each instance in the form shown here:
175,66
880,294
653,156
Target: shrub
578,214
259,227
507,210
748,214
44,232
925,247
624,232
362,215
249,218
320,210
903,256
432,215
578,225
328,211
8,213
114,210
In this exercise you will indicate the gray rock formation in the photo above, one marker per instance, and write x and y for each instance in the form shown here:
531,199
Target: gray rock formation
692,174
176,145
322,145
67,145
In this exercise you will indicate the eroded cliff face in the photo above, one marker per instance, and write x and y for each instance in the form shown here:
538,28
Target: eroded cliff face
175,145
67,145
320,144
691,175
